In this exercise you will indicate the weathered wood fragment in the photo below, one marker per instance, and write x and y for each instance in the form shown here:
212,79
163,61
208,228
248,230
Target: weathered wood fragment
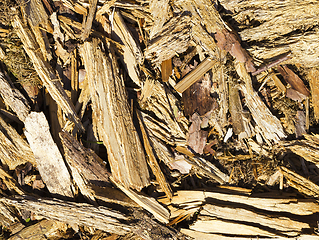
45,71
15,150
148,203
10,183
170,124
86,167
267,124
81,214
89,20
240,119
197,137
173,38
48,157
160,12
300,183
45,229
132,54
152,162
278,28
111,110
294,80
195,75
313,77
13,98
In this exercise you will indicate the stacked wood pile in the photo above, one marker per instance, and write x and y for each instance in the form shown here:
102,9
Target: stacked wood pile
159,119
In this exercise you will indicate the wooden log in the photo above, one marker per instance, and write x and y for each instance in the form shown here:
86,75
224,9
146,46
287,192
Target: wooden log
114,122
45,71
48,157
15,150
43,230
13,98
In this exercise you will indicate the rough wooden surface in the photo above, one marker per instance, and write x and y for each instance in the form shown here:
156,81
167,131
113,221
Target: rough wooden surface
111,110
48,157
15,150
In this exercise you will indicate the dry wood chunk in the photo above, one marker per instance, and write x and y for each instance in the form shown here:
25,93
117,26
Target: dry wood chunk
86,167
45,229
13,98
15,150
48,157
174,37
114,121
81,214
132,54
46,72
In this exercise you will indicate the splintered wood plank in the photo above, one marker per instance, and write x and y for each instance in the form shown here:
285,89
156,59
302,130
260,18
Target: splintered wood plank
268,125
13,98
14,150
113,118
246,217
42,230
300,183
86,167
152,162
48,157
46,72
89,20
132,54
160,12
241,124
146,202
173,38
81,214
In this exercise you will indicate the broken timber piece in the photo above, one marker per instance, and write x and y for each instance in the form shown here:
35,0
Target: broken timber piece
14,150
48,157
13,98
267,124
160,12
86,167
10,183
195,75
113,118
43,230
89,20
74,214
152,162
278,30
45,71
132,54
313,77
173,37
300,183
146,202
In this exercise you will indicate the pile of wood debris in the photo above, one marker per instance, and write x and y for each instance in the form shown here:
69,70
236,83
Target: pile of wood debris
158,119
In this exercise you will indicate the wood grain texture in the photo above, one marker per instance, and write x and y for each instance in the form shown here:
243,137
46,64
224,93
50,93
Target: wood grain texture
48,157
113,117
